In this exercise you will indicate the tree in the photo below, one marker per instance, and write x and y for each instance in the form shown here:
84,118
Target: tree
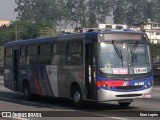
154,10
7,33
29,30
136,11
99,10
119,11
76,11
155,53
26,10
55,12
42,11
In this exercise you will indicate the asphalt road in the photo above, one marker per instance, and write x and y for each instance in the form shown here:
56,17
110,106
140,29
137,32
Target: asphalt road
50,108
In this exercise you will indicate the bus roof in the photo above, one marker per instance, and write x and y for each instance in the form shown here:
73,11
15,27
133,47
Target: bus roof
87,35
31,41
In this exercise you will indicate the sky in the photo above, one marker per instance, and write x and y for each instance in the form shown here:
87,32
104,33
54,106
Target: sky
7,10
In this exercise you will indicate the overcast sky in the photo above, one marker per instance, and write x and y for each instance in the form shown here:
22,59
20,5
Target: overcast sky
7,10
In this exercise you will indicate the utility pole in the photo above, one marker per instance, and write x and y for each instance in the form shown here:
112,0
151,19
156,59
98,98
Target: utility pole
16,35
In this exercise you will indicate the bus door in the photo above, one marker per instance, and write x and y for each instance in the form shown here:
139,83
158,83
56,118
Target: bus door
15,68
89,72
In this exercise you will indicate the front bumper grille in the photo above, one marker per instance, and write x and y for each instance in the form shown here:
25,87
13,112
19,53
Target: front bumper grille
128,87
129,95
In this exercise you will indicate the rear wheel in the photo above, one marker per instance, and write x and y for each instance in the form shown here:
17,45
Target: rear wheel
27,91
76,96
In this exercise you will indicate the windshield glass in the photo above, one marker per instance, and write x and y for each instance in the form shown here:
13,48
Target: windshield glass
124,58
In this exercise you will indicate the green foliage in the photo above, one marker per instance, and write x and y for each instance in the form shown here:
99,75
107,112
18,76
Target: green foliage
47,31
28,30
1,54
21,30
119,11
7,33
56,11
84,12
155,52
132,11
25,30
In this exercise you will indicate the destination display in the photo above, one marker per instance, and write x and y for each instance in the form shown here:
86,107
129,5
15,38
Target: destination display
108,37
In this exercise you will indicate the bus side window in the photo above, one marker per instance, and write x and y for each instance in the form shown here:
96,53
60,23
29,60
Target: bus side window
32,53
45,54
74,53
59,50
8,52
8,56
23,55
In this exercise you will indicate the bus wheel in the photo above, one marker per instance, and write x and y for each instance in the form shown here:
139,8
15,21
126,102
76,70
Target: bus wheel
125,103
77,96
27,91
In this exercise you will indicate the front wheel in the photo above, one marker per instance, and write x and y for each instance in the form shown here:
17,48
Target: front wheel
76,96
27,91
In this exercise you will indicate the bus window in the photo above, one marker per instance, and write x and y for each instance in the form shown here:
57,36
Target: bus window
74,53
22,55
45,54
58,57
8,52
32,52
8,56
59,48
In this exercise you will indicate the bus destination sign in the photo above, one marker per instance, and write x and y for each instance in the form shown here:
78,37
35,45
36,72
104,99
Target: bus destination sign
108,37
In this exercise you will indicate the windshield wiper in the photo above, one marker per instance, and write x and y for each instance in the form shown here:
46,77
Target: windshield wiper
118,51
133,55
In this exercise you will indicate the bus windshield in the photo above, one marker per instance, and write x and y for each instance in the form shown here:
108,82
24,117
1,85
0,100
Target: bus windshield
124,58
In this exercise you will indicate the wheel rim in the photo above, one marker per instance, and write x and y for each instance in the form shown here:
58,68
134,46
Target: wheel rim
77,96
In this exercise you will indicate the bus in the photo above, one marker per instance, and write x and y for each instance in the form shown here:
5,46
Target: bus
100,66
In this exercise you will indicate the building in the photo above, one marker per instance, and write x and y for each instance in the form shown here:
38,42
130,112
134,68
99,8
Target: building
4,22
152,29
113,26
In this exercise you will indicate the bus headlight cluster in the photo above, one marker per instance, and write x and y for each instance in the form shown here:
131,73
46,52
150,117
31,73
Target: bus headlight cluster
149,84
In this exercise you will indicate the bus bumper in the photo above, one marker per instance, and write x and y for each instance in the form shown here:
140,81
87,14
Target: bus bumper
107,95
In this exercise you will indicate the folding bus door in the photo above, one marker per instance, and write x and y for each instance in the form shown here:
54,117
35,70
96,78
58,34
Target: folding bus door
15,68
89,72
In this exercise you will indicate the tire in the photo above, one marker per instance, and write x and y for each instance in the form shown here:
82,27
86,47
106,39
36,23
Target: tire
27,91
76,96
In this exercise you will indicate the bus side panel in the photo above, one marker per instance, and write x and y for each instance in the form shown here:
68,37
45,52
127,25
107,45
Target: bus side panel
44,81
37,78
58,80
67,76
27,73
8,74
61,78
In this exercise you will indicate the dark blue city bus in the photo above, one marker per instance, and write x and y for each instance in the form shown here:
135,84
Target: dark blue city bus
97,66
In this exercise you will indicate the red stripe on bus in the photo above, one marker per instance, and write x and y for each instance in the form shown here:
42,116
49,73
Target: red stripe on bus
114,83
37,84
